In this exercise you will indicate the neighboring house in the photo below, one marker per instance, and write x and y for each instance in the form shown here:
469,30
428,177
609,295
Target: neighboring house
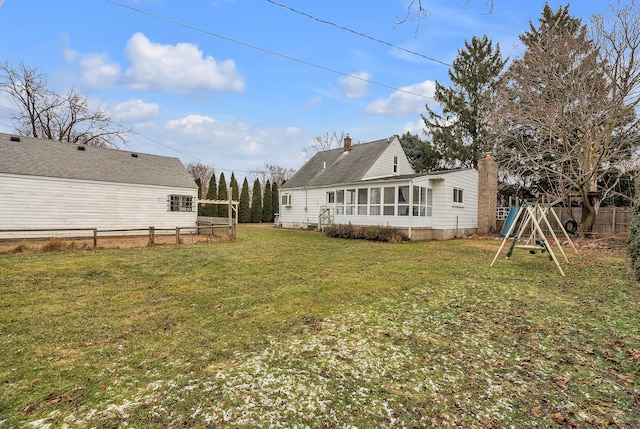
374,184
55,185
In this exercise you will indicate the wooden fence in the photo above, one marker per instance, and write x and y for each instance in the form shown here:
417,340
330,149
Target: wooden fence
208,227
609,220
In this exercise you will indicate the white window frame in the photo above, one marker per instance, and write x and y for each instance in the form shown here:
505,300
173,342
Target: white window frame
458,196
285,199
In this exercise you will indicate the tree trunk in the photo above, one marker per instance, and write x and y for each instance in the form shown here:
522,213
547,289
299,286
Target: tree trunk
590,201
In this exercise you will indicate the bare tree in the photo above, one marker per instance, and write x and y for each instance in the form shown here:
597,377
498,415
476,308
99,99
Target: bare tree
417,11
325,142
565,113
271,173
42,113
202,171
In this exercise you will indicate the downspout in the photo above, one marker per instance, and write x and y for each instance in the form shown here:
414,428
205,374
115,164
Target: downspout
306,206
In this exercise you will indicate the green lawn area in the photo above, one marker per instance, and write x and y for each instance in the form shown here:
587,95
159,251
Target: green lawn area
291,329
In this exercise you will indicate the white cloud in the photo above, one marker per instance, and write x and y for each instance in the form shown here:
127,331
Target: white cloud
355,86
313,103
404,103
180,68
134,111
233,143
98,72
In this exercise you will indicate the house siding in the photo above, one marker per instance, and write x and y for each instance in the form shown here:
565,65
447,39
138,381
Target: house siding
33,202
448,219
383,167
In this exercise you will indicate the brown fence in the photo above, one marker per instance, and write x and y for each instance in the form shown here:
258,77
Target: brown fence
609,221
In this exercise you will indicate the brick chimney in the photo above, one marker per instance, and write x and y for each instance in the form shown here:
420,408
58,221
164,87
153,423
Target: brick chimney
347,143
487,194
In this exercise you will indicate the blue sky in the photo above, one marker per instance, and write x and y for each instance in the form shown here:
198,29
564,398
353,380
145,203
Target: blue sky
240,83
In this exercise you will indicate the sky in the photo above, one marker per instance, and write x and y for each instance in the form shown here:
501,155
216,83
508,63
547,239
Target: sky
237,84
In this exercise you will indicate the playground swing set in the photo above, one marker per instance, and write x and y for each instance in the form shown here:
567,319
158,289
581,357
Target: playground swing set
527,225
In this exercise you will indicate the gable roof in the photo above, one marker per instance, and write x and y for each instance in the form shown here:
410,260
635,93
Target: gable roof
45,158
335,166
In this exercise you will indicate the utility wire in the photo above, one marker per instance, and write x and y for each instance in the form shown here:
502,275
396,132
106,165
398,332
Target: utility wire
358,33
278,54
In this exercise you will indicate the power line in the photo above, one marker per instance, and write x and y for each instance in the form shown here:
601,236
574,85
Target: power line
268,51
358,33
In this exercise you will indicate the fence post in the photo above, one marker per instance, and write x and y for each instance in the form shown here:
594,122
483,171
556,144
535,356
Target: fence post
152,238
613,221
177,235
95,237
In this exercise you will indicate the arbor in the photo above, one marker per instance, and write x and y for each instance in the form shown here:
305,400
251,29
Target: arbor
267,206
42,113
256,202
459,134
223,195
564,114
244,207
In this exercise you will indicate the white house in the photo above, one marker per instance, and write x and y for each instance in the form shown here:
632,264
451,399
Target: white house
374,184
55,185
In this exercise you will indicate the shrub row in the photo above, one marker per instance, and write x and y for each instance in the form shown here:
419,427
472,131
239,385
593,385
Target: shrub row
373,233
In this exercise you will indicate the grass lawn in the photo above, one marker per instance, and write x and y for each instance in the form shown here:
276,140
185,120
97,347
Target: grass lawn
291,329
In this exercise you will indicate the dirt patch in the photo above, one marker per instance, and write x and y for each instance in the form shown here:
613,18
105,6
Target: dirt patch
40,245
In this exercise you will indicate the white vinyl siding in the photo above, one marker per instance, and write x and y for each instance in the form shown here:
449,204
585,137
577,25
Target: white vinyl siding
28,202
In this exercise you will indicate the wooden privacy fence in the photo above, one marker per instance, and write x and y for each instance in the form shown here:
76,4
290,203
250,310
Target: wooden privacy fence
95,232
609,220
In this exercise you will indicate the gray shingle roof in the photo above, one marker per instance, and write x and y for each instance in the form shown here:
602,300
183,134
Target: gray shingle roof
35,157
340,167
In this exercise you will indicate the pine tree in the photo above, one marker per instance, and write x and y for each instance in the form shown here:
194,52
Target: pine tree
458,134
267,207
235,191
212,194
223,195
199,183
256,202
275,198
244,208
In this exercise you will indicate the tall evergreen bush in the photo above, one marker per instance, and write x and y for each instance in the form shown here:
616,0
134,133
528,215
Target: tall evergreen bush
244,208
256,202
267,210
223,195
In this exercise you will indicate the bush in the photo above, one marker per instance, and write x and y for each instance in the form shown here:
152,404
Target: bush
634,233
372,233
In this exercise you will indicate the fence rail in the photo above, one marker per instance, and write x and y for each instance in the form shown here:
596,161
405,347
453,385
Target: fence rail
609,220
95,232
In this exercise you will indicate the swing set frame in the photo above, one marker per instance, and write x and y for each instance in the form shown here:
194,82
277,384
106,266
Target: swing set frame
534,217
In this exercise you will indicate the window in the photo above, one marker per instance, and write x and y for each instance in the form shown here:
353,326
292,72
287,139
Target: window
395,164
363,195
457,196
331,197
429,202
389,208
339,202
419,201
374,202
350,201
285,200
403,201
180,203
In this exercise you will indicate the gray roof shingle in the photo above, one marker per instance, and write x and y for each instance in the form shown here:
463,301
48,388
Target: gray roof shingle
340,167
36,157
